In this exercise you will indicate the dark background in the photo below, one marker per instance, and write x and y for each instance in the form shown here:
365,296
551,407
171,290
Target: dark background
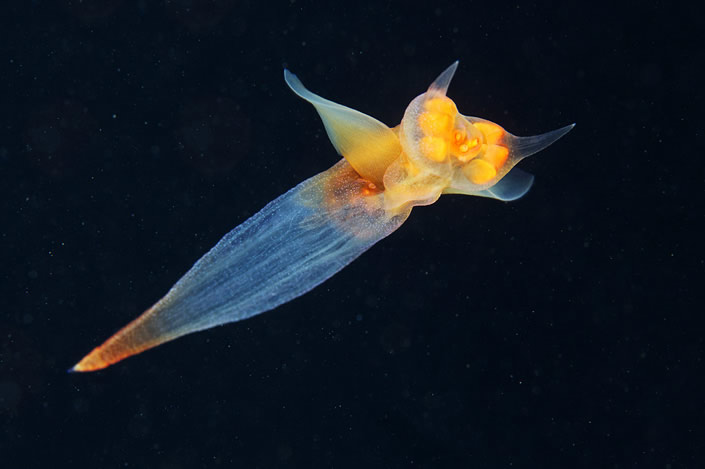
561,330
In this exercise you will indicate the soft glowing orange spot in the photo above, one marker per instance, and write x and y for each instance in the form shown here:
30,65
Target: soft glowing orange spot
496,154
118,347
434,123
434,148
459,136
479,171
441,105
493,133
467,150
344,195
91,362
369,188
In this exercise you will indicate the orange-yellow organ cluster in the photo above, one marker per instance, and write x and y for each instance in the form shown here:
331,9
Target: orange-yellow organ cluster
475,147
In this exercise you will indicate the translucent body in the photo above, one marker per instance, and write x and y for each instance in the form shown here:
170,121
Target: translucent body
293,244
311,232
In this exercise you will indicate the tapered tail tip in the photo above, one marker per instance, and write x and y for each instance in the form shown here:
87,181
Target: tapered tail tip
558,133
91,362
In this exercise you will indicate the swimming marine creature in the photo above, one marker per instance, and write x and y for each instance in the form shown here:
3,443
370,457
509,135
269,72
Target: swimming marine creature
306,235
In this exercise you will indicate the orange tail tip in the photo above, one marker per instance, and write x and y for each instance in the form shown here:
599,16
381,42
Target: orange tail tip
143,333
91,362
112,351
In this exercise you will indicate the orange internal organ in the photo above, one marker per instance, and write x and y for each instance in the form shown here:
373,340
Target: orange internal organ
495,154
465,149
441,123
492,132
435,123
479,171
434,148
441,105
484,168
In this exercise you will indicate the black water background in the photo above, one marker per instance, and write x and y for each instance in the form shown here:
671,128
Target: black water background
562,330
